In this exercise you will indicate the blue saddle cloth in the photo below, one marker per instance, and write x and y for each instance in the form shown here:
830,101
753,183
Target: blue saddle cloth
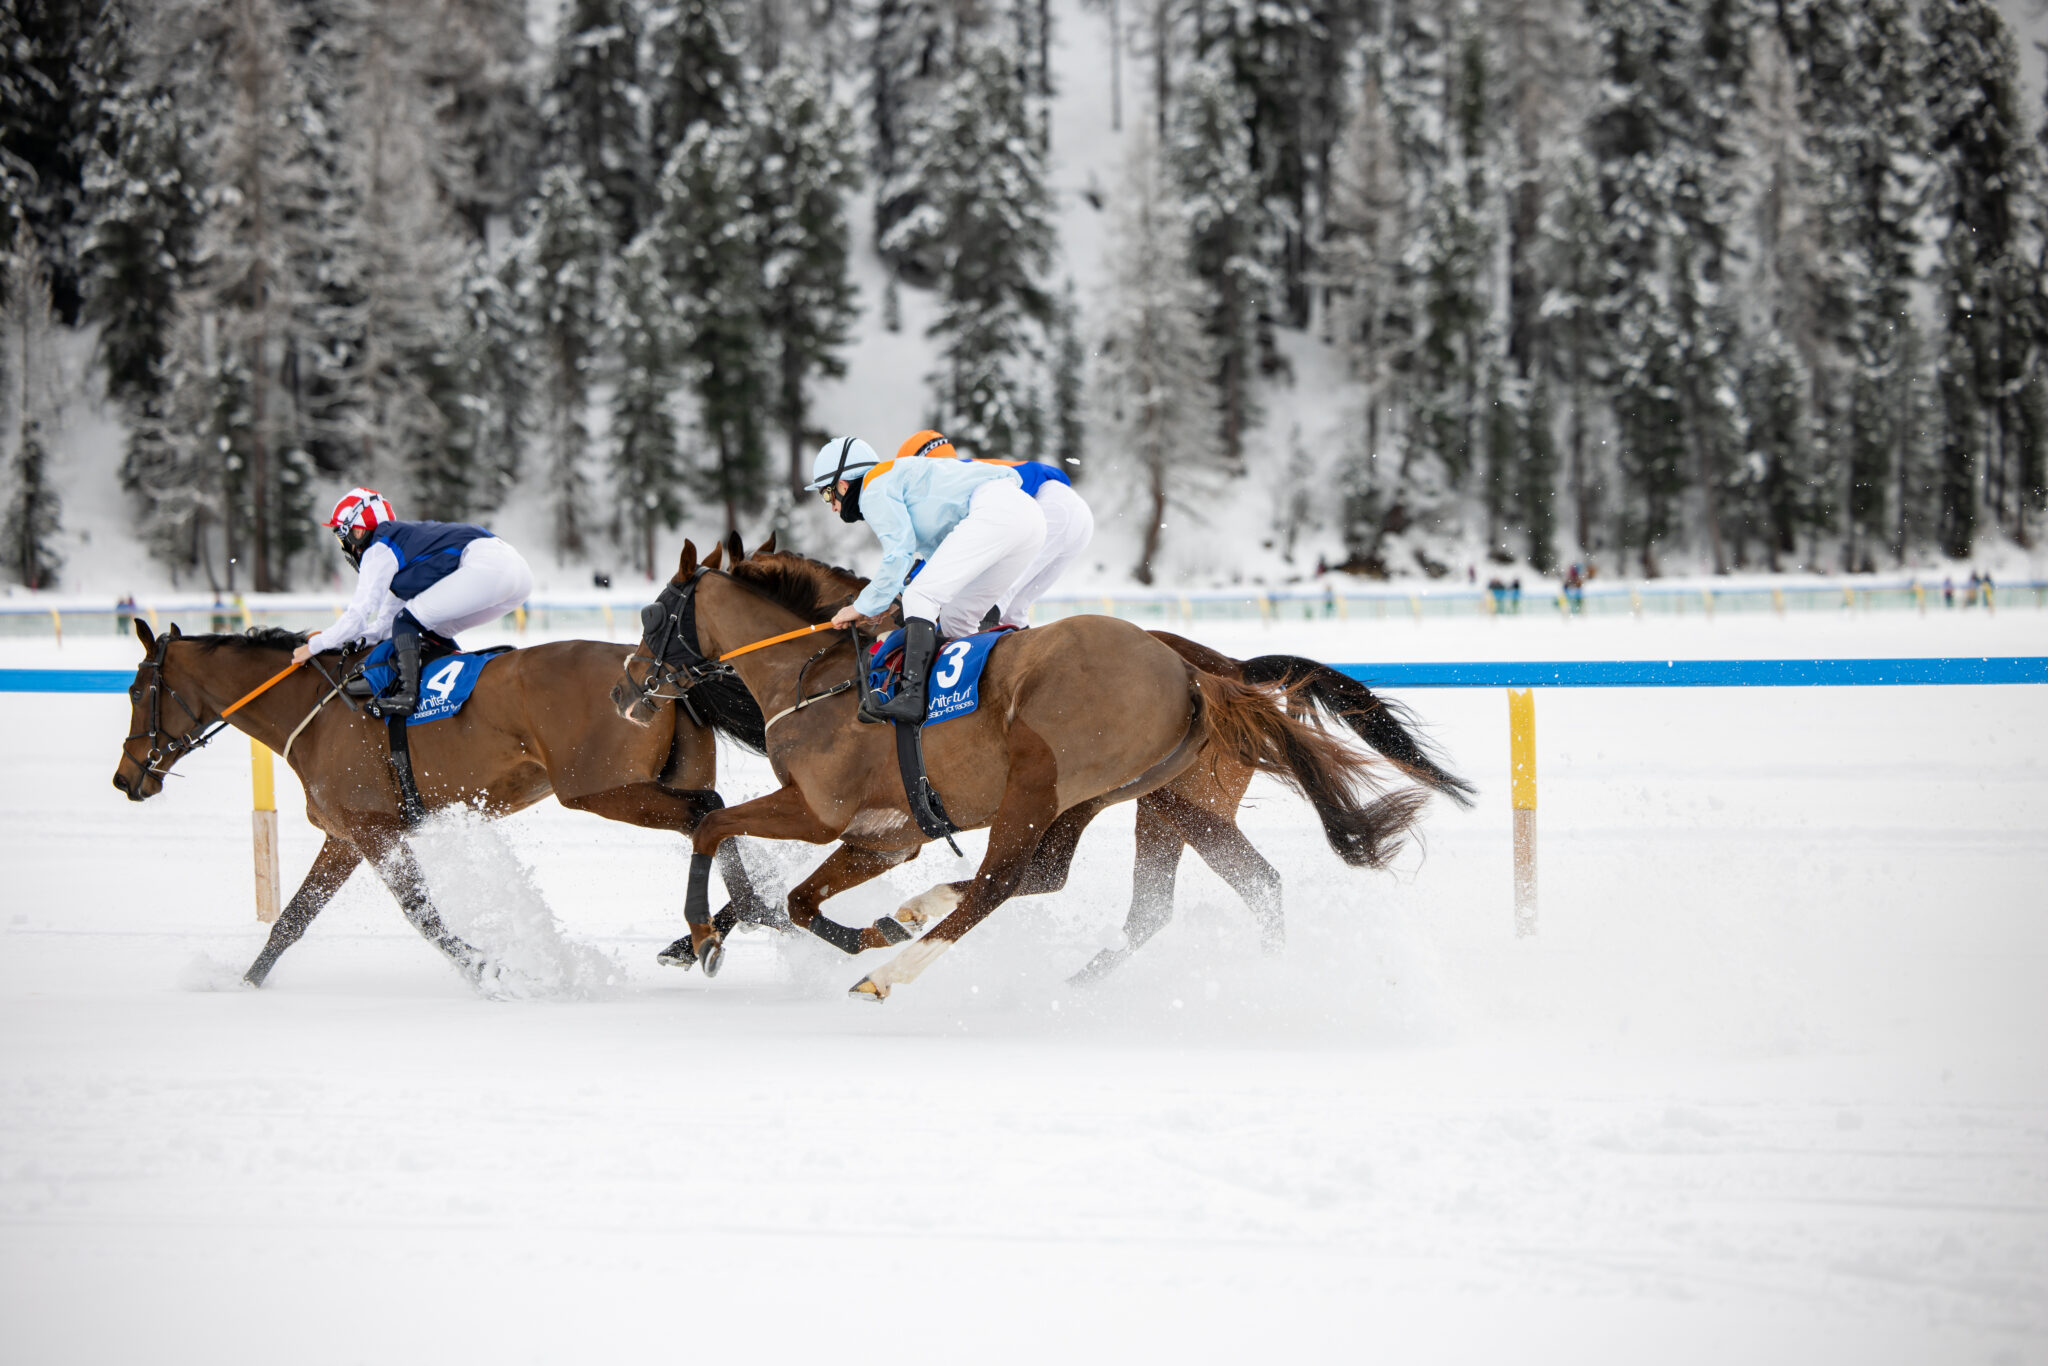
445,681
956,673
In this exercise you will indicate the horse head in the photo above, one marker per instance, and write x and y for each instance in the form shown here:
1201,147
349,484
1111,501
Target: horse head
157,735
645,687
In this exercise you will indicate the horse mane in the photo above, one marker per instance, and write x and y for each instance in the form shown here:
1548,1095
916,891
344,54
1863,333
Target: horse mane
255,638
810,588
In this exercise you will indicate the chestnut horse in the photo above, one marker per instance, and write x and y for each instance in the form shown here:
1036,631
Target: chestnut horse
1088,710
535,724
1198,809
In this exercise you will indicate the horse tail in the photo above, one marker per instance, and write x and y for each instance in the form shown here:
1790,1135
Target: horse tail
1252,724
1381,722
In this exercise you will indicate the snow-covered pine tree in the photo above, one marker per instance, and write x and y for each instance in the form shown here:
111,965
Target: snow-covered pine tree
647,460
708,228
476,71
489,380
1537,475
1574,253
407,249
914,46
986,225
1153,376
804,174
694,72
1366,315
593,112
143,205
1069,387
1232,236
31,519
50,95
1987,204
565,257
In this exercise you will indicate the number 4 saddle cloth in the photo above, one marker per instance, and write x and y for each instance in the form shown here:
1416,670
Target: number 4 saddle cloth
956,674
445,679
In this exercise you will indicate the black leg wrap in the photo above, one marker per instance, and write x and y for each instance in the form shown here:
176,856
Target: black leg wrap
842,937
697,905
893,930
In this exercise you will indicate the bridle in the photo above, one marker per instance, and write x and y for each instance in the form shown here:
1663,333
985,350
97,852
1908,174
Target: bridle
165,750
672,660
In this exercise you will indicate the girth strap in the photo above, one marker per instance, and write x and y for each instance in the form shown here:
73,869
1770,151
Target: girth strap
925,807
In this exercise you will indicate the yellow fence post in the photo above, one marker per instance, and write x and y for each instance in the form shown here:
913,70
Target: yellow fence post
263,821
519,618
607,609
57,623
1522,784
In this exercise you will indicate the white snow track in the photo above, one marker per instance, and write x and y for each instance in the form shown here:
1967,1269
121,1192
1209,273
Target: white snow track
1770,1085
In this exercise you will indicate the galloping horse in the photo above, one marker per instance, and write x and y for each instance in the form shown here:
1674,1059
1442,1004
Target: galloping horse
535,724
1088,710
1198,809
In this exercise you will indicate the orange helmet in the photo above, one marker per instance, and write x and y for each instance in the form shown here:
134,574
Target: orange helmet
926,443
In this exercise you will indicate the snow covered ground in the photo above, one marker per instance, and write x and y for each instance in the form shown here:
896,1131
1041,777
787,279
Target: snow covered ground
1771,1083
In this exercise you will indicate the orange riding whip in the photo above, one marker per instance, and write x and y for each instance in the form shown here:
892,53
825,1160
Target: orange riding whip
261,689
729,654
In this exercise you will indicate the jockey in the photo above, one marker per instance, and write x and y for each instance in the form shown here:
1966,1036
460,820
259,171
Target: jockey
972,524
414,577
1069,525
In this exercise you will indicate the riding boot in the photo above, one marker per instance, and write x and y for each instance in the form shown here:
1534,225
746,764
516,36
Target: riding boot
920,645
404,696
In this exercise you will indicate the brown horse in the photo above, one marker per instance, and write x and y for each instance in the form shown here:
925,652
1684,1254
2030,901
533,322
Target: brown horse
535,724
1198,809
1088,710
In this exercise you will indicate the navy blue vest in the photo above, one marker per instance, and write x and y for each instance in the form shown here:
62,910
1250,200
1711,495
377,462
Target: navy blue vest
428,552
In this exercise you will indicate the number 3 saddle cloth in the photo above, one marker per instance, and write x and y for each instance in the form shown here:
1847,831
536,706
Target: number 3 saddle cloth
955,688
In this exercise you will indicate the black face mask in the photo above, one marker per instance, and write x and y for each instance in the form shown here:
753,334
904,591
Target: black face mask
353,546
849,504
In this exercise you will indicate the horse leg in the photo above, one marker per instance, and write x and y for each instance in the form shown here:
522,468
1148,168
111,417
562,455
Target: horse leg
1231,857
845,868
331,866
654,807
402,876
782,814
1153,874
1047,872
1029,807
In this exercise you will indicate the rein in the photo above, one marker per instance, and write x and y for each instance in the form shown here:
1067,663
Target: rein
165,750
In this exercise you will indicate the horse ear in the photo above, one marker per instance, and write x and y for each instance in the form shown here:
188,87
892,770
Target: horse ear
735,548
145,635
173,633
688,564
715,558
766,547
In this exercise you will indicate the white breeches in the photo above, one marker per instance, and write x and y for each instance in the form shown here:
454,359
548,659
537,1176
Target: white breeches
980,558
1069,526
492,580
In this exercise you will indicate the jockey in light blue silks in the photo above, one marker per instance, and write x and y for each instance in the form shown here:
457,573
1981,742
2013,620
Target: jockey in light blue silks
980,534
414,577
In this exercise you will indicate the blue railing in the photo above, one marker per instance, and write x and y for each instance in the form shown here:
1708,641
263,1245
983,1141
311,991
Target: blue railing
1600,673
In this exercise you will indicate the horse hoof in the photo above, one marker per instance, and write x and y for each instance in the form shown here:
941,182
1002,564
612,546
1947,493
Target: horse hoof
868,989
1099,967
681,954
893,929
712,957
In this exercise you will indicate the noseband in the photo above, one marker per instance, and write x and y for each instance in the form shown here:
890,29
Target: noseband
673,669
165,750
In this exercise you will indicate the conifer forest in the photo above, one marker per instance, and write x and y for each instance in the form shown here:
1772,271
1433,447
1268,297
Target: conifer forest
1720,284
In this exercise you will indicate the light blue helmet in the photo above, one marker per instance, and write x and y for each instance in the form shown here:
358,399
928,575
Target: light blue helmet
843,457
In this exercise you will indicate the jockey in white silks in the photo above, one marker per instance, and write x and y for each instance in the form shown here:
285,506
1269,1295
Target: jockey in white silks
972,524
1069,525
413,577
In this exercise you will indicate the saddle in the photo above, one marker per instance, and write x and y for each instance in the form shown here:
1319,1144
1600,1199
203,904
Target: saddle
952,690
371,680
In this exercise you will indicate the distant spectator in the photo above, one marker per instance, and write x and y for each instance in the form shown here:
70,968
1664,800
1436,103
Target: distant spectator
1970,590
1988,604
1515,595
124,615
1498,591
1948,592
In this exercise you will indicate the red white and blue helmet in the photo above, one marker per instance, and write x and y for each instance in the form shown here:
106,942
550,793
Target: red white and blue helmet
364,508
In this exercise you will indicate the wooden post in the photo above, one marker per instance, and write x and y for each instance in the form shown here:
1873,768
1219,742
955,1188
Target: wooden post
1522,785
263,821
